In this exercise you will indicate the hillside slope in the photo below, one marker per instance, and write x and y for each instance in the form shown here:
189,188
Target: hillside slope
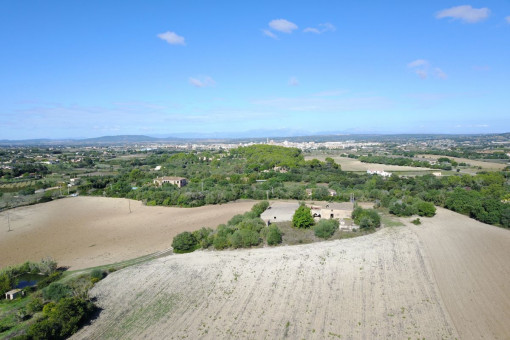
378,286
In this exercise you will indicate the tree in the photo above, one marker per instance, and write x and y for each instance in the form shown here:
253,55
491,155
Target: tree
426,209
274,235
325,228
56,291
366,218
184,242
302,217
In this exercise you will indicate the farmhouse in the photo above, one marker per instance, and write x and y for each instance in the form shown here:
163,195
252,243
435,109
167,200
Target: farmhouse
337,210
280,212
179,181
12,294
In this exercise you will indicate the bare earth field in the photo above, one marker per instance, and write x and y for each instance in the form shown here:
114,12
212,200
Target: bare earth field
489,166
374,287
351,164
471,265
83,232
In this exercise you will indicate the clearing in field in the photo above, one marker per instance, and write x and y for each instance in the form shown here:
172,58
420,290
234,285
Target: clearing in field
82,232
351,164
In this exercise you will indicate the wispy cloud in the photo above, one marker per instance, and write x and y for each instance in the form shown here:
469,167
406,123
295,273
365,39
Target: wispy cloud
269,34
172,38
293,81
282,25
439,73
325,27
508,19
204,82
417,63
465,13
422,68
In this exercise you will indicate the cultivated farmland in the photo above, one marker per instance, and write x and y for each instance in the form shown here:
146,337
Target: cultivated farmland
445,279
83,232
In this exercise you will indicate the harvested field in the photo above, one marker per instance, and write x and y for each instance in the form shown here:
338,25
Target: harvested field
471,264
351,164
83,232
485,165
375,287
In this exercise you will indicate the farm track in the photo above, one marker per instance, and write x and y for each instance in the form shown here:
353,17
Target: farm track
377,286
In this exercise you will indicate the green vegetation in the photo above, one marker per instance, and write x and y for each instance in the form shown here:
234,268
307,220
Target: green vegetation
242,231
302,217
366,218
326,228
53,309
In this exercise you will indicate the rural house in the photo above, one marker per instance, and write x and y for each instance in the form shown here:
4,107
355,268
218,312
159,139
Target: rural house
178,181
12,294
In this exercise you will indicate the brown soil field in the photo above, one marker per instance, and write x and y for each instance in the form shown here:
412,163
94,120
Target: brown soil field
351,164
490,166
375,287
82,232
444,279
471,265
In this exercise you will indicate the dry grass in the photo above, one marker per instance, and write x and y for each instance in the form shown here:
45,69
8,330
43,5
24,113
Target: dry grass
351,164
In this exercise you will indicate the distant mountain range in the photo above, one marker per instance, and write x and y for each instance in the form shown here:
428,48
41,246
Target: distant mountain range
252,136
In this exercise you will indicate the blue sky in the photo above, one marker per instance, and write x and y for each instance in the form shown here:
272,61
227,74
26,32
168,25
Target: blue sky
74,69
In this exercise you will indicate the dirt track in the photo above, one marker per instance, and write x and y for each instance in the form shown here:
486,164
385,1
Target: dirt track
373,287
84,232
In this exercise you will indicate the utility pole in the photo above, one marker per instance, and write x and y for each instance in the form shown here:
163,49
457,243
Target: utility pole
267,194
129,203
8,221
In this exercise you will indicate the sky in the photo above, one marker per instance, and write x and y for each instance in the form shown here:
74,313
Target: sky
78,69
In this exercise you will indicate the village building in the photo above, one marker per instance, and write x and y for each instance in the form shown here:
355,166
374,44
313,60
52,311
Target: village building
12,294
178,181
332,193
437,174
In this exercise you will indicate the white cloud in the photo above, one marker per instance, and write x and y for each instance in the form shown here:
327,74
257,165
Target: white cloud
422,74
465,13
418,63
440,74
293,81
204,82
423,68
282,25
325,27
172,38
312,30
269,34
508,19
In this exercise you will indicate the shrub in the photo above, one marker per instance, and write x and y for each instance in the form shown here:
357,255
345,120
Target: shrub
426,209
49,279
366,218
302,217
97,274
274,235
325,228
47,266
184,242
56,291
416,221
220,242
35,305
260,207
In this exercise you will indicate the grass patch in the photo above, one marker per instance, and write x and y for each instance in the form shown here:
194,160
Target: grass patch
388,221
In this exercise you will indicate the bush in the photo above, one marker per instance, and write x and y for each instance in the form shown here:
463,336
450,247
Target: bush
220,242
97,274
302,217
49,279
426,209
35,305
274,235
184,243
260,207
326,228
416,221
366,218
56,291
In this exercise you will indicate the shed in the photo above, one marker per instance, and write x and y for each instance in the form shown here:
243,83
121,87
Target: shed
12,294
